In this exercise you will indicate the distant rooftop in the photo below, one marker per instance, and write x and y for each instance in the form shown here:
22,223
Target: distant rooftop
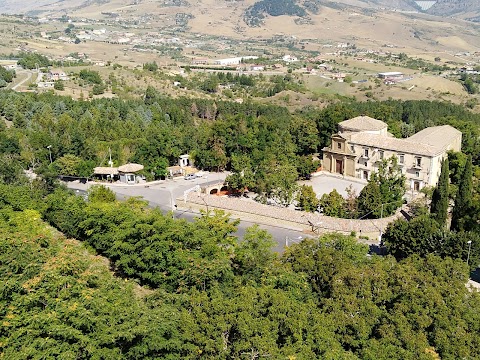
362,123
390,73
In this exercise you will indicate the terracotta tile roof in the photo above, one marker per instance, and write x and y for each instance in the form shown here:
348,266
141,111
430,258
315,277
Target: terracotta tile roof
105,170
362,123
389,143
429,142
130,168
439,137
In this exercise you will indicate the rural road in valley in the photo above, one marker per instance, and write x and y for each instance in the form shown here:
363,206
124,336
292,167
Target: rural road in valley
29,76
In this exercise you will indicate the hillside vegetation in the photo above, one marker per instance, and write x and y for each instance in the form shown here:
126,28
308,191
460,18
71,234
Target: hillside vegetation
256,13
210,296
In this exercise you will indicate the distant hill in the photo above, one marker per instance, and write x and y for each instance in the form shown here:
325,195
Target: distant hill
467,9
455,7
33,7
403,24
254,10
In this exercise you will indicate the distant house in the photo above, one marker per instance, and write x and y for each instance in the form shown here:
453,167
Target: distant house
468,70
234,61
289,58
10,66
127,172
325,67
362,143
55,74
257,68
339,76
201,61
46,84
391,75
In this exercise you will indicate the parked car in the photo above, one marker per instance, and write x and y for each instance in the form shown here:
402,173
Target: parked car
190,176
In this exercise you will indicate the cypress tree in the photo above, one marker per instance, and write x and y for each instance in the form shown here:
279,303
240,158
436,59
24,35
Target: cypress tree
439,206
463,200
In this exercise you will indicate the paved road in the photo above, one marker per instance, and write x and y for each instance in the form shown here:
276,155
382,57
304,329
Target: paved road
162,194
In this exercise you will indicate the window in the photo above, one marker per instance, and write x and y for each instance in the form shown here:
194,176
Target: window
339,145
365,152
381,154
418,161
365,163
352,148
401,159
417,174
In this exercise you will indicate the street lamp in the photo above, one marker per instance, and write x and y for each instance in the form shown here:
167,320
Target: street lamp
469,242
49,147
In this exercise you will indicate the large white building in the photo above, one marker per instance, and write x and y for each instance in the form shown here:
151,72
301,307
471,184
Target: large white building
233,61
363,142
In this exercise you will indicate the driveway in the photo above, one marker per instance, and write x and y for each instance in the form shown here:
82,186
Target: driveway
324,184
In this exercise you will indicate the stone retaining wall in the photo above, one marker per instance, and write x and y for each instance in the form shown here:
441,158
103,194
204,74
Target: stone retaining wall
299,217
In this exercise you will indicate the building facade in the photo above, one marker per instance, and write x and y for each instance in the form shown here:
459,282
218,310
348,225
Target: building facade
362,143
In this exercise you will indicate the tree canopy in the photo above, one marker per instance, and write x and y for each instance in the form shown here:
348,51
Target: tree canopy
125,281
383,194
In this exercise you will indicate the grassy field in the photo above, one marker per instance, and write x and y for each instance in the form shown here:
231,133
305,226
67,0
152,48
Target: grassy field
417,35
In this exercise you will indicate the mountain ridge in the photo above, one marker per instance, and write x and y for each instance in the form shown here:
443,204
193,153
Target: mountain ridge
259,8
366,23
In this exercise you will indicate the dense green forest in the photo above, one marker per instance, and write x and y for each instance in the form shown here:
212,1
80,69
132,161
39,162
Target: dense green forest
6,76
192,291
255,14
268,143
159,127
136,283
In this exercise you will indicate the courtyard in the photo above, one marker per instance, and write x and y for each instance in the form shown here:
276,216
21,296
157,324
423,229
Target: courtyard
325,183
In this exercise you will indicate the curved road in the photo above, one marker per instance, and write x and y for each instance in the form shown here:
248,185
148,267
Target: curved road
29,76
161,196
